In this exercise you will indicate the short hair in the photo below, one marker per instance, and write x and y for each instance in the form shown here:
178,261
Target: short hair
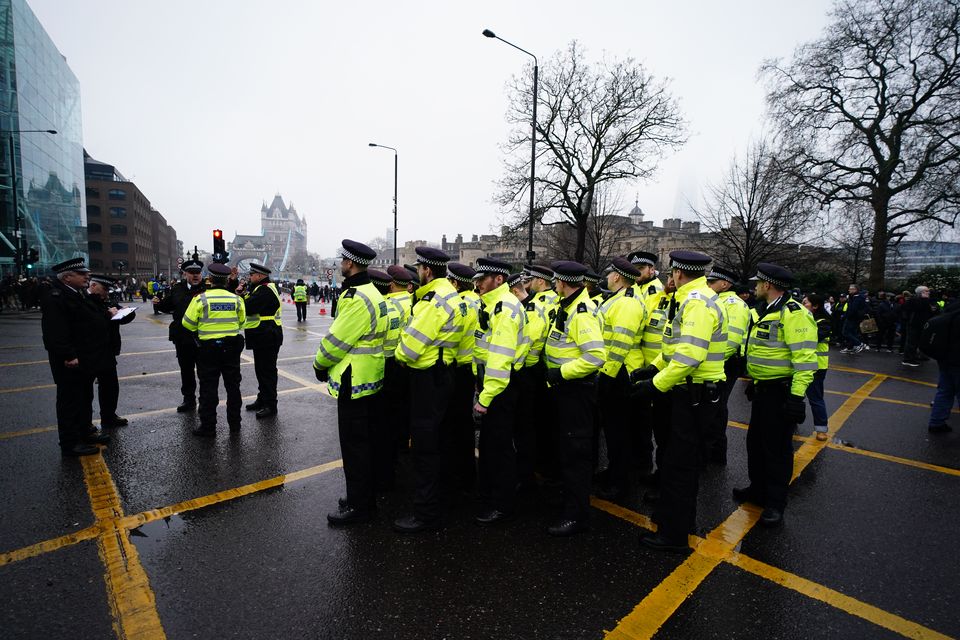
921,289
816,300
854,286
437,270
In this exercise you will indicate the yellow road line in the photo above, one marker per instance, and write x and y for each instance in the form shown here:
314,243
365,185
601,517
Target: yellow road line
26,432
131,599
874,373
657,607
623,513
904,461
132,522
835,599
295,378
47,546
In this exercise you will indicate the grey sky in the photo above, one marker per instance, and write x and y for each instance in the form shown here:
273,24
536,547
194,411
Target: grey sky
212,107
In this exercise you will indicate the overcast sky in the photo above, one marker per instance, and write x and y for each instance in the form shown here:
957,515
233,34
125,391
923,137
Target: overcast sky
214,106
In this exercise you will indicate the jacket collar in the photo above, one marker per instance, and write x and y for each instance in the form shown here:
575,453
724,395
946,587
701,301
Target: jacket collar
356,280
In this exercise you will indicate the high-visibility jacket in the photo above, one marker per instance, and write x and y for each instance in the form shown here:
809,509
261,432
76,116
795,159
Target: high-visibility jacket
824,329
738,320
545,304
215,314
469,338
355,339
499,337
535,325
575,339
695,341
648,289
658,310
254,320
435,327
300,293
782,343
394,327
403,299
623,319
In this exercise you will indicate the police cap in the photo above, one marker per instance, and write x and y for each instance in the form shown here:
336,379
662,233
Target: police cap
642,258
774,274
539,271
259,268
379,277
217,270
492,266
721,273
568,271
73,264
689,260
192,266
431,256
357,252
515,279
414,275
460,272
399,274
592,276
106,281
299,280
625,268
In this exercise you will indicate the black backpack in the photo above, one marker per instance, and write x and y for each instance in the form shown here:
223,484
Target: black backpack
936,338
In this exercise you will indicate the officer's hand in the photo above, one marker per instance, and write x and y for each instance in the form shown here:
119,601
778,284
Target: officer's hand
796,409
644,373
554,377
155,300
323,375
750,390
644,390
71,364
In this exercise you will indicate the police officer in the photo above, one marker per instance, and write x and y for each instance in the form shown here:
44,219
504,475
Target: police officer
458,438
527,375
300,299
574,353
737,313
624,316
781,362
428,348
350,360
396,384
592,281
689,368
648,284
539,283
107,383
176,303
264,333
385,449
498,351
216,318
76,336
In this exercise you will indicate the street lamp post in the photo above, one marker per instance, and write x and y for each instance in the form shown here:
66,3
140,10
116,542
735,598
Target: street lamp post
531,254
19,253
396,155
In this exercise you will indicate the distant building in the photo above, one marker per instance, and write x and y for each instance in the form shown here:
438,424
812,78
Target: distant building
281,244
912,256
125,234
42,197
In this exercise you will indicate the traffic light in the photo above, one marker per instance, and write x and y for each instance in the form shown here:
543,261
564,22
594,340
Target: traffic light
219,247
30,257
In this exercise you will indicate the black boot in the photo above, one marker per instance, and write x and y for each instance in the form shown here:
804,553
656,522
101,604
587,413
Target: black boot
189,404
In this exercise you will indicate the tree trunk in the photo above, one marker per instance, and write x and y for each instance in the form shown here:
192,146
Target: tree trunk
878,244
582,222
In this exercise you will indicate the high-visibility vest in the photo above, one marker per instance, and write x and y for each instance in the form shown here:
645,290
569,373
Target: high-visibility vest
623,317
695,342
783,344
575,339
498,343
738,320
215,314
403,299
545,302
436,325
355,340
394,327
649,289
823,342
535,324
658,310
469,337
300,293
254,320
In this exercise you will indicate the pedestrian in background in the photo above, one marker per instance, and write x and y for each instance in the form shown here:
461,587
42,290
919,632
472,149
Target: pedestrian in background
854,312
948,364
916,312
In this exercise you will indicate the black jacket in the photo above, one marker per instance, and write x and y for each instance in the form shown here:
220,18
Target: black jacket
263,302
75,325
115,341
176,302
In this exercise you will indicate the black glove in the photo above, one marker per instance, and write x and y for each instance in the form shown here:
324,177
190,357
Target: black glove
796,409
644,390
554,377
644,373
749,390
323,375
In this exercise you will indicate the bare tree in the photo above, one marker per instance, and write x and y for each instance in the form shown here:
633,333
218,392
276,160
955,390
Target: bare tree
756,213
871,114
605,228
851,232
600,122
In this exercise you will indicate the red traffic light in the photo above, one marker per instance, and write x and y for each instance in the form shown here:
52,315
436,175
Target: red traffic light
217,233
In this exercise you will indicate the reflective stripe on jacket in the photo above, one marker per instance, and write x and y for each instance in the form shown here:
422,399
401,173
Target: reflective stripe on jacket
215,314
782,343
468,339
498,342
695,341
651,340
436,323
254,320
575,339
623,317
300,293
738,320
402,298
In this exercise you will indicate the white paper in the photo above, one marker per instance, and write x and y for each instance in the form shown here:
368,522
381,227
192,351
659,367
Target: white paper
123,313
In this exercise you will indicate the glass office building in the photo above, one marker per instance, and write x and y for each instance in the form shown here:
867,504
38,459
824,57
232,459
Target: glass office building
42,204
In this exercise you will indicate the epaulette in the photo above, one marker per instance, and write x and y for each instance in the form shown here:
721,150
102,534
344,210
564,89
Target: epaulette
694,295
498,307
348,293
530,305
427,296
628,293
792,305
582,307
652,290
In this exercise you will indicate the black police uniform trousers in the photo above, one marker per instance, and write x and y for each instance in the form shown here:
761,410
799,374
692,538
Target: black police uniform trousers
216,358
617,423
498,457
770,443
529,412
458,433
187,359
396,406
265,367
716,444
357,421
301,311
108,393
430,393
74,402
692,408
574,401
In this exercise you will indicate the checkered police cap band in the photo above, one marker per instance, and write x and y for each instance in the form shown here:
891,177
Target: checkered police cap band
459,278
628,276
345,253
684,266
568,278
642,260
774,281
107,282
432,263
533,272
716,275
486,269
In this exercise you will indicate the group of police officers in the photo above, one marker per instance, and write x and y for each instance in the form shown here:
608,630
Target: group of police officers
540,362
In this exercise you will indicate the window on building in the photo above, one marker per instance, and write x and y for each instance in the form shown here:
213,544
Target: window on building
117,194
94,227
118,229
93,192
118,212
96,264
93,246
93,211
119,247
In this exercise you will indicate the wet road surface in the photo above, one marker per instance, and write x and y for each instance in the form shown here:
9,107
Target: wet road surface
168,535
